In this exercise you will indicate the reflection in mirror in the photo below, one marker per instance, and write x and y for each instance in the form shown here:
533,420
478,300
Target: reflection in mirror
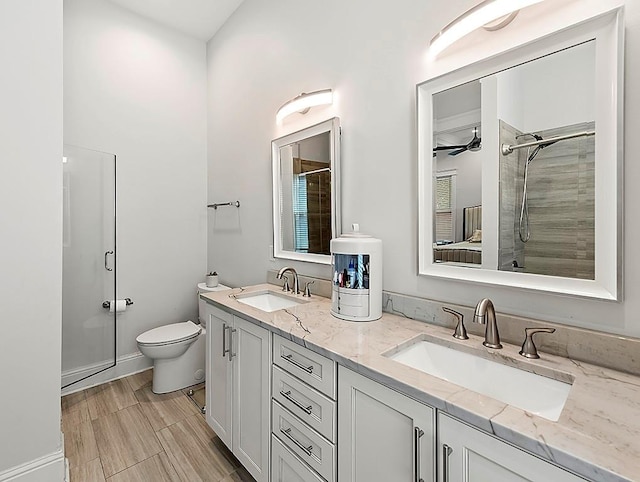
546,190
521,165
457,138
305,167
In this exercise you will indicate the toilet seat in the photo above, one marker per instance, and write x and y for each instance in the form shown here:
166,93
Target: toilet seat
169,334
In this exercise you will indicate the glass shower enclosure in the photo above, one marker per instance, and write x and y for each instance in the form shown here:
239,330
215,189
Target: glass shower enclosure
89,263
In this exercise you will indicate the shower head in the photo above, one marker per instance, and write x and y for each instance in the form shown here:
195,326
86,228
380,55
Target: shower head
537,137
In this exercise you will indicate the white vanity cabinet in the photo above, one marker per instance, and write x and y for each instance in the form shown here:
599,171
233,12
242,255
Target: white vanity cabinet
238,388
382,435
303,424
466,453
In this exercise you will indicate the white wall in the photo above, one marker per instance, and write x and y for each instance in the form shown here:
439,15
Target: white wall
373,57
138,90
560,87
468,167
31,227
554,91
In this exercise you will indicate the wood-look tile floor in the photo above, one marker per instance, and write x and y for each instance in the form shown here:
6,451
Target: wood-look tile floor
121,432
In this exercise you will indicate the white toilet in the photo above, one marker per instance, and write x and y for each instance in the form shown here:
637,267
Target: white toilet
177,350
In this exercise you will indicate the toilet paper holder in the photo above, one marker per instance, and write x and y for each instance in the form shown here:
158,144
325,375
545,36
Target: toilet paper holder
107,304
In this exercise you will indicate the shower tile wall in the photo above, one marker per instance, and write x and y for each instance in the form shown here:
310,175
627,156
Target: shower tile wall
561,206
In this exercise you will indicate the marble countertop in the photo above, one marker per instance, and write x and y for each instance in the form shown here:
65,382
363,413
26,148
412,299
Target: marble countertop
597,435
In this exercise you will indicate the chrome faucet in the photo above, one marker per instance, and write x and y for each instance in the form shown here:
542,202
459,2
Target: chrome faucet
485,314
529,349
296,286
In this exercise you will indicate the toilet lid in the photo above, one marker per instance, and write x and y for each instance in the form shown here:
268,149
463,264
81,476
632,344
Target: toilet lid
173,333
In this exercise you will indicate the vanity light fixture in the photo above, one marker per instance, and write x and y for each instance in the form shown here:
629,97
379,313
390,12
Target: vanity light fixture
303,102
485,12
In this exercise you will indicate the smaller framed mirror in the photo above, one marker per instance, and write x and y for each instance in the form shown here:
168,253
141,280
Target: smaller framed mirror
306,192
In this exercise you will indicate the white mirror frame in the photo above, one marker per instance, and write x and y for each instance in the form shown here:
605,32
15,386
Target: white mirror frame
608,32
333,127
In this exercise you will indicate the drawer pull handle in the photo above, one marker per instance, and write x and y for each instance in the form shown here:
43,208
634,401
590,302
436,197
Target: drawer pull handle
291,360
306,450
288,396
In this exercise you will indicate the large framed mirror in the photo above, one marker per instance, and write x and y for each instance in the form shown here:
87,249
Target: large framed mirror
306,192
520,165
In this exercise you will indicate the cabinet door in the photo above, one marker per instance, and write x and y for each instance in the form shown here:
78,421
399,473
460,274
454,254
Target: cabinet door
219,373
252,400
470,455
382,435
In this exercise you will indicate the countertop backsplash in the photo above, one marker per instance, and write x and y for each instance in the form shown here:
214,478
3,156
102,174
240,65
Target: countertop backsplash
595,347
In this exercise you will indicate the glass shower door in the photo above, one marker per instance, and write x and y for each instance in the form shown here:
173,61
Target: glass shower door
89,263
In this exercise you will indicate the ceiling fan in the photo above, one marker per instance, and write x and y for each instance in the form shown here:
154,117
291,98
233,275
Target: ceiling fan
473,145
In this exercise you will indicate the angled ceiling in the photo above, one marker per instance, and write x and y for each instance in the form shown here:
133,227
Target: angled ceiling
198,18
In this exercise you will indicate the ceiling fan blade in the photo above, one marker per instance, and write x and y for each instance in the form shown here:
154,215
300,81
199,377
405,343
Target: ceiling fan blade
458,151
448,148
475,144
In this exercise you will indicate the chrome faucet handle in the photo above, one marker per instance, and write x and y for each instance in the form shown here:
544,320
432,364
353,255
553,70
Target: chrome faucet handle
529,349
285,286
460,332
307,291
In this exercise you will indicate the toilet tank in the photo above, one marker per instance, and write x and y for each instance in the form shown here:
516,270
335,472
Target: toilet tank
202,288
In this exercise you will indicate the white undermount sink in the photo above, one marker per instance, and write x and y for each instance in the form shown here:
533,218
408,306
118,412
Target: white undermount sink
534,393
268,300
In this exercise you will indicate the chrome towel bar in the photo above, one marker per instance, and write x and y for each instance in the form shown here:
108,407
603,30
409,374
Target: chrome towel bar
230,203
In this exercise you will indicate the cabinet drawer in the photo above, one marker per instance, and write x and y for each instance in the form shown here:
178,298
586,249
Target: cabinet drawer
309,405
287,467
316,370
304,442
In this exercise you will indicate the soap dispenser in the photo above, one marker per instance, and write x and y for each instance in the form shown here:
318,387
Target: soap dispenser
358,258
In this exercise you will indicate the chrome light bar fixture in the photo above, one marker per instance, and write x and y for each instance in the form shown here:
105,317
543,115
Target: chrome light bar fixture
482,14
303,102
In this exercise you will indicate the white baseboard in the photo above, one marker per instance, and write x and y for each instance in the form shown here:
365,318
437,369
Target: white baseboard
50,468
126,365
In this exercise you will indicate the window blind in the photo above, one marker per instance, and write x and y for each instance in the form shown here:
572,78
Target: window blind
445,222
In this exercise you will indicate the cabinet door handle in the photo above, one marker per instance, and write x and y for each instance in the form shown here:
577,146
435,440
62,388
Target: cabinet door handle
417,435
231,354
306,450
293,361
224,340
288,396
446,451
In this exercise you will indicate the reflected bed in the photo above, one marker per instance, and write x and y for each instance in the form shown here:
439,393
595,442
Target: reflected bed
468,251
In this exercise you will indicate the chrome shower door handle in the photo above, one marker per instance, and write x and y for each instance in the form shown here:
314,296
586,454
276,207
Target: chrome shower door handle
107,253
